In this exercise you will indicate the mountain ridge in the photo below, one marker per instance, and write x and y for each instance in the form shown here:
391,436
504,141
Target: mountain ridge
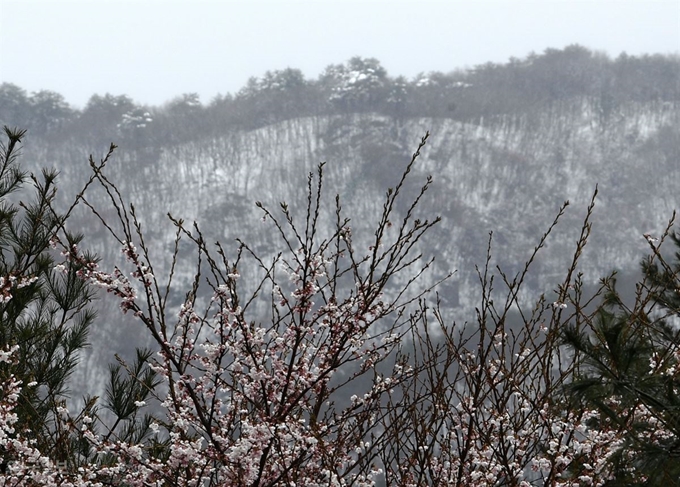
506,173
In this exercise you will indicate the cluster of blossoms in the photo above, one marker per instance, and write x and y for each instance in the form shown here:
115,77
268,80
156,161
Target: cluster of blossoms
252,403
13,282
23,463
115,282
665,361
522,446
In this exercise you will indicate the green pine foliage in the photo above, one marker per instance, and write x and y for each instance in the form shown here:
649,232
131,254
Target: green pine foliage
629,369
46,312
43,311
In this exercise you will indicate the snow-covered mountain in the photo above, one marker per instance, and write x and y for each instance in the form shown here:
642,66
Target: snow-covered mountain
506,174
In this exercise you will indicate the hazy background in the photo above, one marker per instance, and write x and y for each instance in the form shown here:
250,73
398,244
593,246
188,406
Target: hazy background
154,50
512,139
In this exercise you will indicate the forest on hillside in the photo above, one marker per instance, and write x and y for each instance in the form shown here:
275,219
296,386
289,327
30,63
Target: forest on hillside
510,143
518,87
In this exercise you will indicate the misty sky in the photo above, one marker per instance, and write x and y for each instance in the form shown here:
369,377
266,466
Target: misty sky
154,50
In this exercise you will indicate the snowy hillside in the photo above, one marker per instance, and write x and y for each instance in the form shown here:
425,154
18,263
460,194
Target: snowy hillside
508,175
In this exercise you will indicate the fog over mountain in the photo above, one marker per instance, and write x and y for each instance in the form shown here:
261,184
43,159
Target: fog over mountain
509,144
